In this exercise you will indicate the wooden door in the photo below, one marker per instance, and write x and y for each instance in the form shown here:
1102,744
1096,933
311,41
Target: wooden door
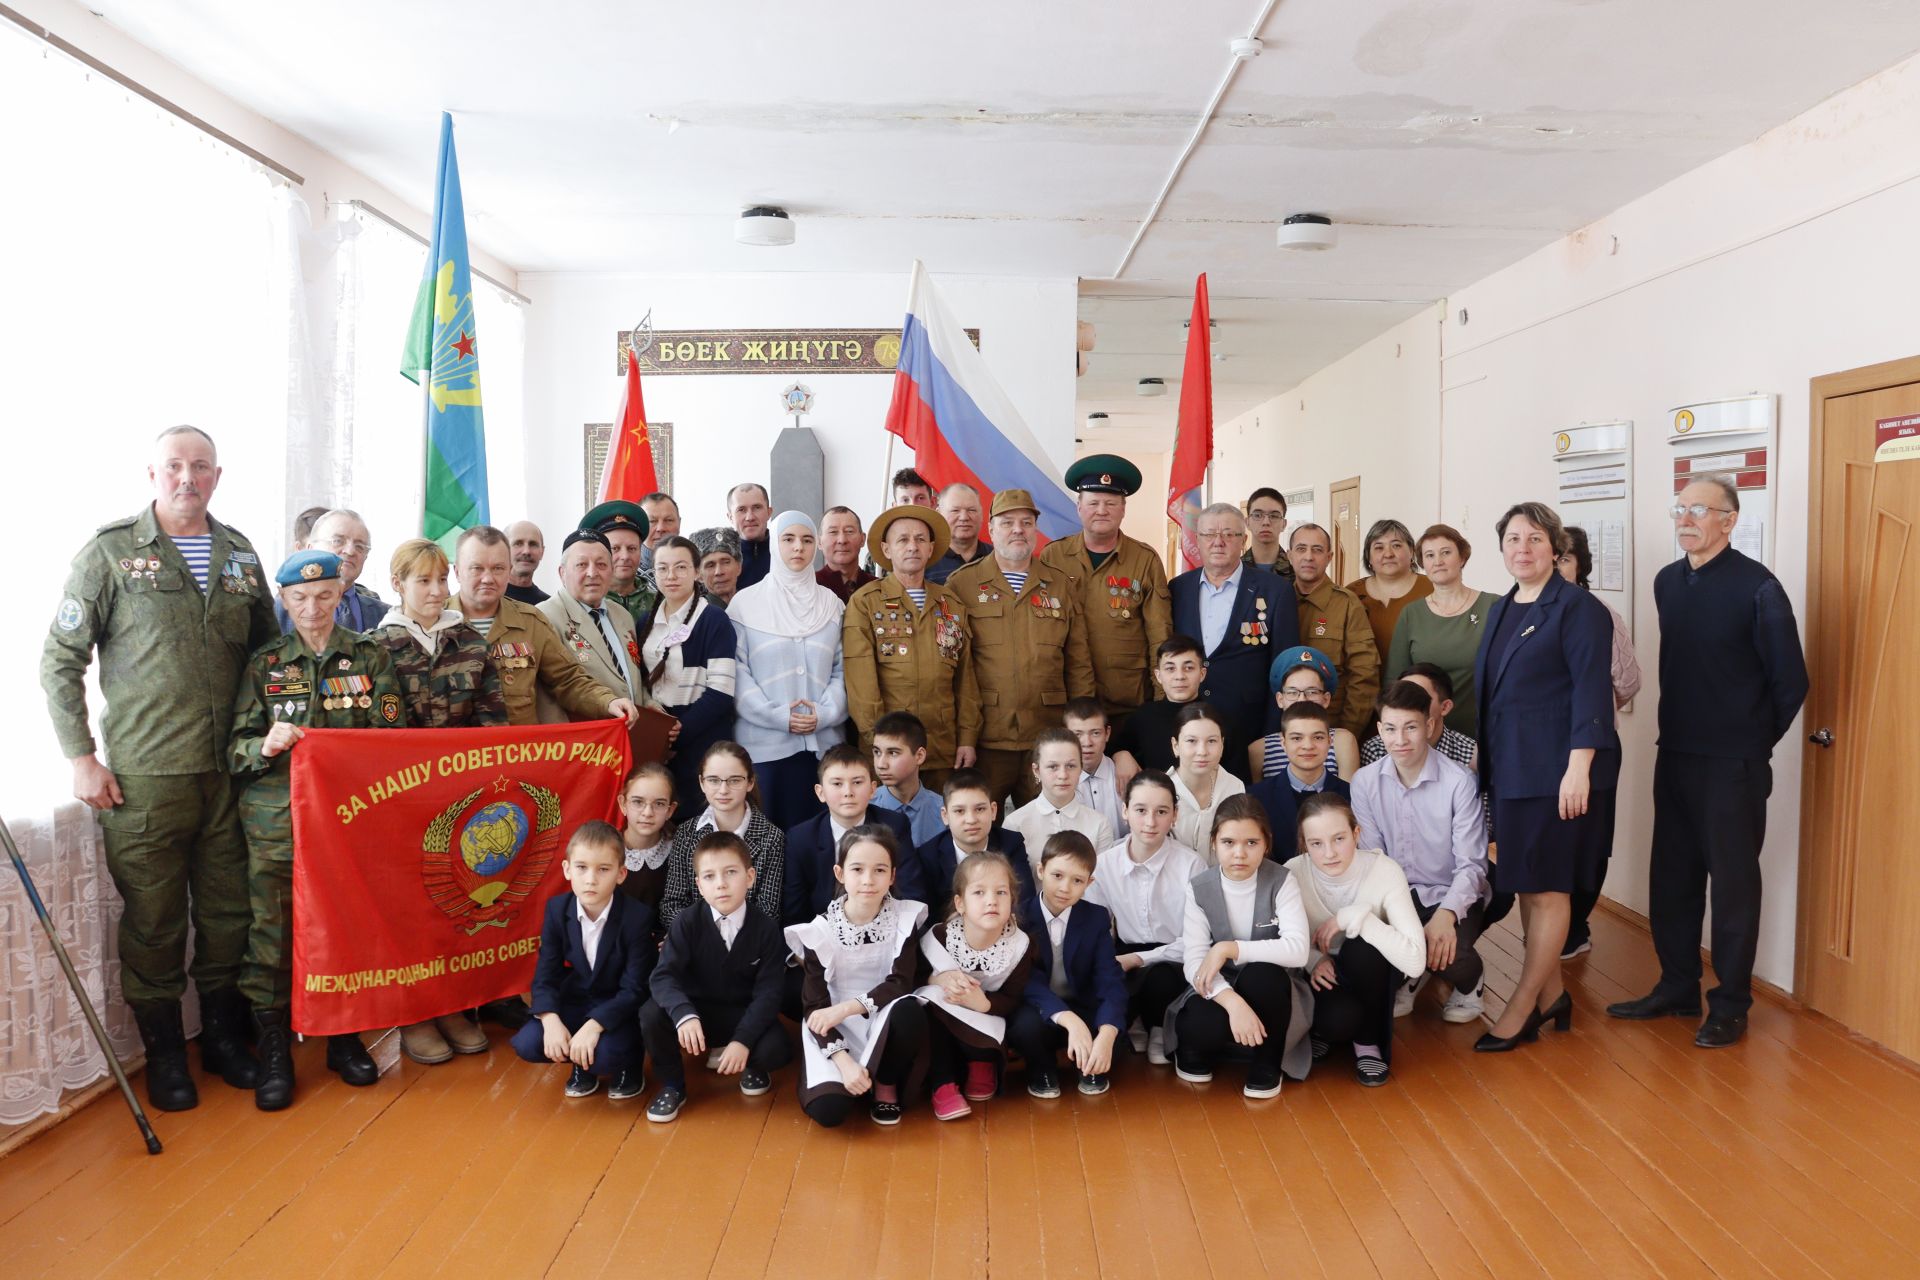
1343,501
1858,958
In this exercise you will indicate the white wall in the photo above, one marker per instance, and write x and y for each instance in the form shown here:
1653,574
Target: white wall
1792,257
1375,413
724,424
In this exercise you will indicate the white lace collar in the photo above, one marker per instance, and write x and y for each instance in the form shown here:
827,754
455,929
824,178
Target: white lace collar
881,928
649,859
999,956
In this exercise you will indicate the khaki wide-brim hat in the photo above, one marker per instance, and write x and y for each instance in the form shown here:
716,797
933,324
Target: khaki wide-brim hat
942,535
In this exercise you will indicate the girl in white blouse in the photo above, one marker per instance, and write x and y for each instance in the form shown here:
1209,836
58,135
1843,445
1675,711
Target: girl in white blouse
1199,783
1245,941
1366,934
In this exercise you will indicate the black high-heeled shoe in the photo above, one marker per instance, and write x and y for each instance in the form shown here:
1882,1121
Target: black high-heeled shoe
1559,1013
1491,1043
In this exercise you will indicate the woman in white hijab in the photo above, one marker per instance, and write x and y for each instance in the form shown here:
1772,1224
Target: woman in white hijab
789,696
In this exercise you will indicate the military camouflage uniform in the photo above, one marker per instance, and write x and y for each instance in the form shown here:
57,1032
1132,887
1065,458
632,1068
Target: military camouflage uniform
457,687
171,656
640,602
349,685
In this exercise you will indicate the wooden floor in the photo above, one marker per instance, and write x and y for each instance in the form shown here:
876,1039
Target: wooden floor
1618,1150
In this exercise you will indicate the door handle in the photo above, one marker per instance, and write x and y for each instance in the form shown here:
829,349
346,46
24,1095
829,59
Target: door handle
1821,737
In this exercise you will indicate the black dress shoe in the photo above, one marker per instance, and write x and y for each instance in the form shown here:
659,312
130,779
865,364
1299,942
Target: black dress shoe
582,1083
1658,1004
349,1059
1095,1085
626,1084
1042,1083
1719,1031
1528,1033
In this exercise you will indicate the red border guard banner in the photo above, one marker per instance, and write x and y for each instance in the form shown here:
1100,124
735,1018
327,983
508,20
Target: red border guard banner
423,862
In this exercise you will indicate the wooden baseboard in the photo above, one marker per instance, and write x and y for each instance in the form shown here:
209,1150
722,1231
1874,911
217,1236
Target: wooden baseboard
1761,986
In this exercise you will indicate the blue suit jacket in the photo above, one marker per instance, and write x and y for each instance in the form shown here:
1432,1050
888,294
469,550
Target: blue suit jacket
1094,975
611,991
1282,803
939,860
809,884
1237,672
1551,693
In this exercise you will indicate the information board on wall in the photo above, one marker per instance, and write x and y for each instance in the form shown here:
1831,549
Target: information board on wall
1595,494
1733,439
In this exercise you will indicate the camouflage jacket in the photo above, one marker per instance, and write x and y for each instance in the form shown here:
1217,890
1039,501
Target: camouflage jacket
171,655
350,684
640,602
458,687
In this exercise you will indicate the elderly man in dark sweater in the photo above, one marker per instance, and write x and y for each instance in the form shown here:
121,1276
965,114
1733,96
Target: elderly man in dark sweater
1732,679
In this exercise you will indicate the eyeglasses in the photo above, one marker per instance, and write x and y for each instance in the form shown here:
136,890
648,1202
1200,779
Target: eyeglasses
348,544
736,780
1231,535
1698,510
1294,695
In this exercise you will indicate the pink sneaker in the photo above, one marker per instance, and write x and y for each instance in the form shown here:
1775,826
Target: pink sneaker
948,1104
982,1081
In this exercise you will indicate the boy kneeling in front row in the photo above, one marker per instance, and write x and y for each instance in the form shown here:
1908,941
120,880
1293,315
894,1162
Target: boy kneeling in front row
596,950
718,982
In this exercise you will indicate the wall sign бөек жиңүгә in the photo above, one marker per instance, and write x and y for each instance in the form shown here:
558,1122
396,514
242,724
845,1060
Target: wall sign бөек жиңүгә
684,351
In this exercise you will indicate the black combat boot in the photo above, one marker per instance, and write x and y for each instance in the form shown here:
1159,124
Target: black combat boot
223,1044
348,1058
275,1090
169,1083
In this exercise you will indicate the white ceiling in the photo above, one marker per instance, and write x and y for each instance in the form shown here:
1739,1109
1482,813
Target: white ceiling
1447,137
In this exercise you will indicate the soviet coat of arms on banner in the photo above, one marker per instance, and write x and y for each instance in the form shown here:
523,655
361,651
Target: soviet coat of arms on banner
423,862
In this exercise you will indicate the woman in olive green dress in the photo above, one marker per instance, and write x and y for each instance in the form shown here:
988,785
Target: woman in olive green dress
1444,628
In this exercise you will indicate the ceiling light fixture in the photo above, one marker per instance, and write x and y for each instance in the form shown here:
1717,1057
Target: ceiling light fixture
764,225
1151,387
1097,418
1310,231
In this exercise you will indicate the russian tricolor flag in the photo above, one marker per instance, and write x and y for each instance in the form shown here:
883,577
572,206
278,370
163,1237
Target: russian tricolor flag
960,425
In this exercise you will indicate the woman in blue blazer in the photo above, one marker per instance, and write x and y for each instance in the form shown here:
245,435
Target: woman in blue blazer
1549,757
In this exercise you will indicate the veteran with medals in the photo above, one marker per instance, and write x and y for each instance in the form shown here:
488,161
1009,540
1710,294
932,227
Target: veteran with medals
906,645
1029,651
173,601
1119,581
1242,616
318,676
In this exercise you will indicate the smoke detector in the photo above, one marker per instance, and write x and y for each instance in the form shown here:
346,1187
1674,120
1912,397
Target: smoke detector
1151,387
1311,231
1246,48
764,225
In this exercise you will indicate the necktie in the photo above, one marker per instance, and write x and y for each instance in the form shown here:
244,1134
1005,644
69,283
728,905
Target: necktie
613,645
728,927
1057,931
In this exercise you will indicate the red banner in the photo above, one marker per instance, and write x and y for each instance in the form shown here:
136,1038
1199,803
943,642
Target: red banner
424,859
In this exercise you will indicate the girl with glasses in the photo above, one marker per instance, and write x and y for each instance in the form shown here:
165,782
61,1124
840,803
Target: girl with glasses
727,781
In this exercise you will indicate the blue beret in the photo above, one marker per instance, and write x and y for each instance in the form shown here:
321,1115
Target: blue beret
303,567
1301,655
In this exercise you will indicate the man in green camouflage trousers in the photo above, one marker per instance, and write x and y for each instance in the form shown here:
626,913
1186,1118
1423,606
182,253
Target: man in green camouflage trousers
317,676
174,601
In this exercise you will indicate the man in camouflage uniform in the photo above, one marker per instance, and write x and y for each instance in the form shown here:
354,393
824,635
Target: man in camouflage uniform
1119,581
318,676
908,654
1029,650
624,526
173,635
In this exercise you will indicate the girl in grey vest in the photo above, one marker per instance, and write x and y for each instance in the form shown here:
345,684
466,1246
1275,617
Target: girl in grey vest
1245,942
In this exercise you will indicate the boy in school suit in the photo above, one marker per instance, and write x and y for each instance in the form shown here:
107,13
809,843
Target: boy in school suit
717,986
970,815
596,950
1099,787
1076,993
1307,730
846,786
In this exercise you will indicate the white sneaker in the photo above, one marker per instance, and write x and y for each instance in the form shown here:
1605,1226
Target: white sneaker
1404,997
1157,1046
1137,1037
1463,1006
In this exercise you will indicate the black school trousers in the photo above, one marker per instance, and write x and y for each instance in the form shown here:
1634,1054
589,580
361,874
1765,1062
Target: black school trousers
768,1052
1359,1009
1203,1030
1709,822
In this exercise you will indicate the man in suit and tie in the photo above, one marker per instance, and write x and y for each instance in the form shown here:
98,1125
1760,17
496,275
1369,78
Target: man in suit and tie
596,952
1243,615
601,637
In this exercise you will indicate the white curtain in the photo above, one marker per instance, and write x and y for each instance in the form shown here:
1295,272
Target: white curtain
155,277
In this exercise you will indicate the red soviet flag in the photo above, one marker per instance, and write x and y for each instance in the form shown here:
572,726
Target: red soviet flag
629,472
1193,438
423,861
